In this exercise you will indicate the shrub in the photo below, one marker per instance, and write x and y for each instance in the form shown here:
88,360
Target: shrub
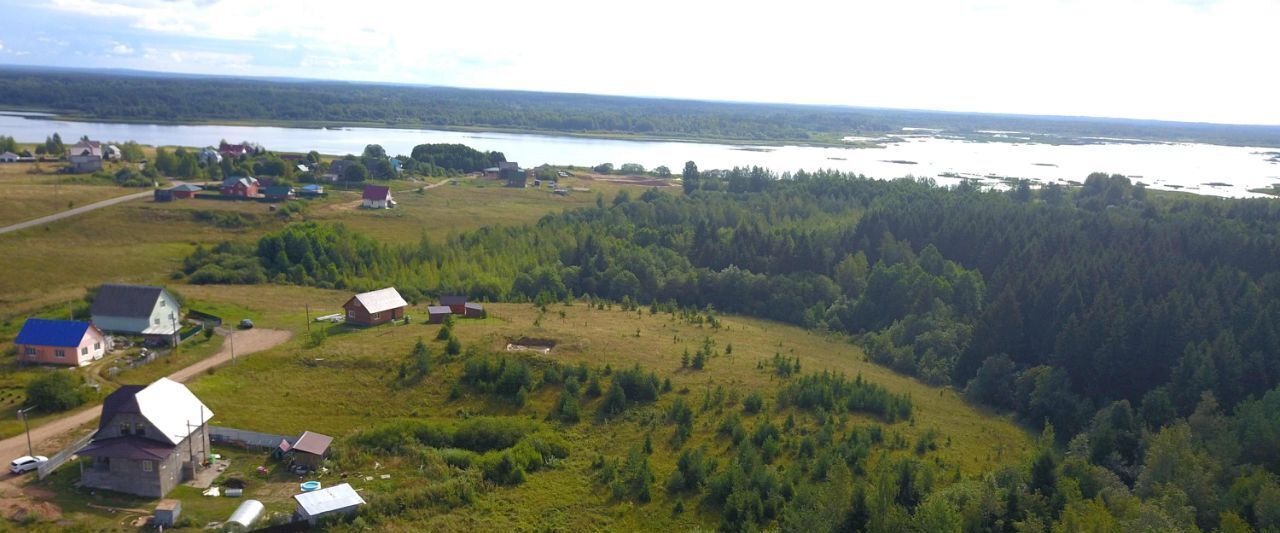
58,390
753,403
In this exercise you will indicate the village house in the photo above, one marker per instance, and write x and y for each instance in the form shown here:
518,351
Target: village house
235,151
59,342
311,450
8,157
240,187
137,310
377,197
337,168
456,304
85,156
373,308
149,440
209,156
437,313
338,499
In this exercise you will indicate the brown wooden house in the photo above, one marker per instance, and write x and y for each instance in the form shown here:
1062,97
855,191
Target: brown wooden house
377,307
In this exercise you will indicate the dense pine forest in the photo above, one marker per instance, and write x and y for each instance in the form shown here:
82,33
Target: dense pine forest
1138,331
154,98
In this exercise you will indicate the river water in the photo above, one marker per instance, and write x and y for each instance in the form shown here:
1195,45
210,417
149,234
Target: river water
1199,168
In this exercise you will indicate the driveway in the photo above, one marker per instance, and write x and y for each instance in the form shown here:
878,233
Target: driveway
77,211
46,438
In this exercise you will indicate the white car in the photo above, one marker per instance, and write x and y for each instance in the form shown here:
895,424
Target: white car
27,463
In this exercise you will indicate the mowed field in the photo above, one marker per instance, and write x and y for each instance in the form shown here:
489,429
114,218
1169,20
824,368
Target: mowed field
347,384
32,190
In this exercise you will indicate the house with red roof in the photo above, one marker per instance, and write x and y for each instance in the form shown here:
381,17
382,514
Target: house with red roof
377,197
240,187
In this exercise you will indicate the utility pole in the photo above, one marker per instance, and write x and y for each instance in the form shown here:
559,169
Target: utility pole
308,319
232,338
23,414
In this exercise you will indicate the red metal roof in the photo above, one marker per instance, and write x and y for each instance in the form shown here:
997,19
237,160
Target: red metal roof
312,443
376,192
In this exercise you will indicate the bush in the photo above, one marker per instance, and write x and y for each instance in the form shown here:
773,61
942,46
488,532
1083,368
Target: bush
58,390
753,403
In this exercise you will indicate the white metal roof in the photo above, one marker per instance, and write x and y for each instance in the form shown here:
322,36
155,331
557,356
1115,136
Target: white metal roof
321,501
381,300
170,406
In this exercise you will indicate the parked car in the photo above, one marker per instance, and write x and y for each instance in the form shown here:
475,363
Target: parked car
246,324
27,463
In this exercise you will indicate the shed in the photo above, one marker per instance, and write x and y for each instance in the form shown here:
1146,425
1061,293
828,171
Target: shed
8,157
311,190
377,307
311,449
162,195
319,503
437,313
167,512
458,304
473,310
278,192
186,190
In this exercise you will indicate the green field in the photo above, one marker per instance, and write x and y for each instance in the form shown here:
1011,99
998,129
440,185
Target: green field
346,384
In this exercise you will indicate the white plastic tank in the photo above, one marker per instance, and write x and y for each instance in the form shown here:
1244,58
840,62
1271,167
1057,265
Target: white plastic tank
246,514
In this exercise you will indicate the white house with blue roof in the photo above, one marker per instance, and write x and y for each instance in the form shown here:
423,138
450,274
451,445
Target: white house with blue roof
59,342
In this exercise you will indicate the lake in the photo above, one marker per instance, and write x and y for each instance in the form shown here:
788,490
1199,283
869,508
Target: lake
1198,168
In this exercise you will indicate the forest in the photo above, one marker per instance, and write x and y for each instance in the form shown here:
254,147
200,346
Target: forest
1138,330
157,98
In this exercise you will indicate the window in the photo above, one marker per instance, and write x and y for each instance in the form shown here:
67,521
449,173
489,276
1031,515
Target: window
147,466
374,316
162,302
30,351
97,345
157,321
139,429
84,350
60,353
125,429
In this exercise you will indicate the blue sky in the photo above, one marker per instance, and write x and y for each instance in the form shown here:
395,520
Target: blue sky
1199,60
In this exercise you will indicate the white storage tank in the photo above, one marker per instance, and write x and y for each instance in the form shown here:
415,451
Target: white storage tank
246,514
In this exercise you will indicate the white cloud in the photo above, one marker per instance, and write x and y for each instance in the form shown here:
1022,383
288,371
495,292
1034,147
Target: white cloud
1173,59
121,49
1,45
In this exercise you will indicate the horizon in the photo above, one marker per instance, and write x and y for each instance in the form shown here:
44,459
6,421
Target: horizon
998,57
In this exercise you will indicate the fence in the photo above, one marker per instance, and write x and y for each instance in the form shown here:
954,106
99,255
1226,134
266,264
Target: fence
208,319
63,456
248,439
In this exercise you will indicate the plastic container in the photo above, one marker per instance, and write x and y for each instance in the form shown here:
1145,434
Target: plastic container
309,486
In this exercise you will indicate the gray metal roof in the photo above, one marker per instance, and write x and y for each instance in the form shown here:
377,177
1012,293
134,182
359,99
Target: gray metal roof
133,301
322,501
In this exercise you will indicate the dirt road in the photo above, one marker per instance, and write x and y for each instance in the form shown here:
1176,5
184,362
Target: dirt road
47,437
77,211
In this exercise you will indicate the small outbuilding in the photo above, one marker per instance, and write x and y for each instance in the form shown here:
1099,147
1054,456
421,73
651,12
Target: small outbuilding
377,307
311,449
312,190
59,342
278,192
167,512
8,157
437,313
473,310
246,514
457,304
186,190
338,499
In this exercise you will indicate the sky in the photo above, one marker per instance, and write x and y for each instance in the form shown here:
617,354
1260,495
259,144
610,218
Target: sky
1187,60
